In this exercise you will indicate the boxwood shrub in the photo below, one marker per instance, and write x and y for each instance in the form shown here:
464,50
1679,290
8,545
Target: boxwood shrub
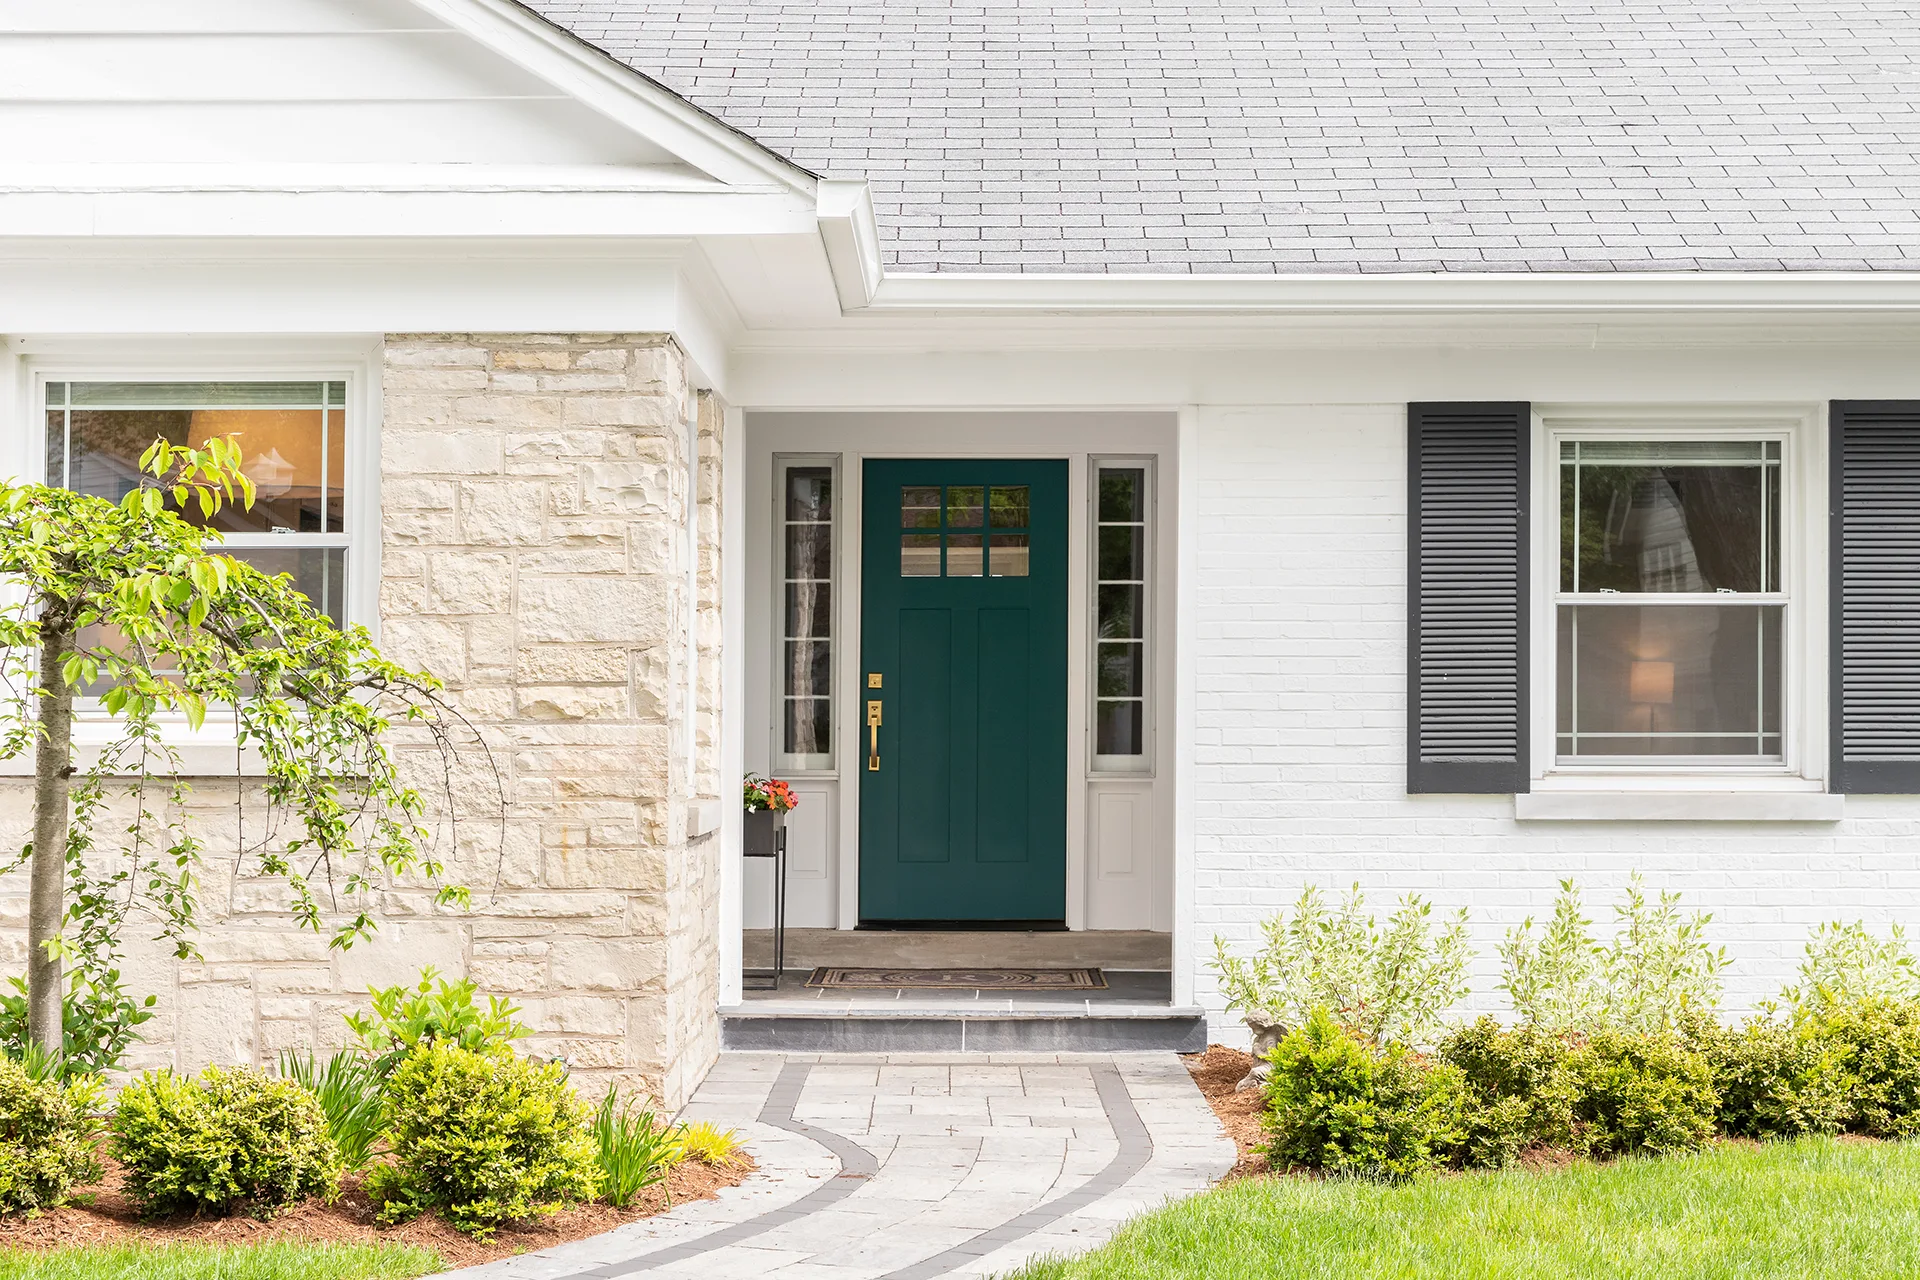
47,1136
1520,1092
232,1139
1779,1079
1881,1039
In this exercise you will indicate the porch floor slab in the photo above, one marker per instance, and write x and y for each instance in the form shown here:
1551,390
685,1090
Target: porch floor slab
899,1167
1126,949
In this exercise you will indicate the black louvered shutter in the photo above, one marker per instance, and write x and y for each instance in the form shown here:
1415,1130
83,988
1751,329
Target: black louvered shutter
1467,597
1874,611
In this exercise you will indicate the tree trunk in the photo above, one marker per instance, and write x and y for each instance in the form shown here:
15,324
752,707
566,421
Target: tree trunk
52,780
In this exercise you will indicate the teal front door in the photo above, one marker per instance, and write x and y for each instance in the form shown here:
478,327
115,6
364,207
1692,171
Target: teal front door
963,621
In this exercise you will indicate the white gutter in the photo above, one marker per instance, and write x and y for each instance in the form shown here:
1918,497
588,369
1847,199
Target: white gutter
850,234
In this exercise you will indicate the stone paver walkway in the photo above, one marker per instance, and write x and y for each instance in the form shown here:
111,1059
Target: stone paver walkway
908,1166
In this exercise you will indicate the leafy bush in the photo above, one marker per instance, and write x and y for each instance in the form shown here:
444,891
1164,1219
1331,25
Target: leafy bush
635,1149
1520,1093
1338,1103
1882,1042
347,1088
1778,1079
1844,965
97,1016
47,1134
433,1011
1387,984
230,1139
484,1138
706,1142
1657,974
1639,1092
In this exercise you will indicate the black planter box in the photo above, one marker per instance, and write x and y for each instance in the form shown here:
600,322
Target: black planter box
758,836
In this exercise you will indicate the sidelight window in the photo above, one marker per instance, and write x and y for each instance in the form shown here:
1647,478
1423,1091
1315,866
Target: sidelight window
1121,642
1671,601
806,661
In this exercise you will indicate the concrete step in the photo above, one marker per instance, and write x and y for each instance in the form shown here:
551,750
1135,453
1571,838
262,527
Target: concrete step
757,1026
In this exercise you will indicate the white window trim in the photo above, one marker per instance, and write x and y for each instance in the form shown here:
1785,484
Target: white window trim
1142,765
1791,790
32,363
810,765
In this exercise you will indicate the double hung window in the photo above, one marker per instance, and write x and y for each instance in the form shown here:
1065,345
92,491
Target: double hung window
1671,604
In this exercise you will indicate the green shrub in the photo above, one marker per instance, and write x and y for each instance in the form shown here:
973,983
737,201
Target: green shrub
1844,964
433,1011
1778,1079
1389,983
1520,1093
47,1135
635,1149
484,1138
97,1017
347,1087
1882,1041
1638,1092
1339,1103
231,1139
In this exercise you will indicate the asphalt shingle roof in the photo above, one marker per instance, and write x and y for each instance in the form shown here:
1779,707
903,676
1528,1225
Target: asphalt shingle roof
1325,135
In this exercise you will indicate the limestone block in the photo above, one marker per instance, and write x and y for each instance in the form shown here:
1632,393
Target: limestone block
398,952
436,356
491,642
469,582
572,664
413,453
501,976
571,610
569,702
592,1015
233,943
216,1025
578,1054
538,359
651,545
403,378
504,513
426,644
571,560
586,866
552,906
618,411
607,964
403,412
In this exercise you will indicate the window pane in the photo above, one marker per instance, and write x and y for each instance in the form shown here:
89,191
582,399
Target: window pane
808,731
920,554
1120,553
964,557
1010,555
320,573
1120,489
809,551
1669,680
1118,729
809,668
1646,525
809,609
1121,670
963,506
1010,506
194,395
920,507
810,494
1120,613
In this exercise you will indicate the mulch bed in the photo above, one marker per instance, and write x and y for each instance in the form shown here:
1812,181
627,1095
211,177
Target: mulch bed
1217,1071
107,1217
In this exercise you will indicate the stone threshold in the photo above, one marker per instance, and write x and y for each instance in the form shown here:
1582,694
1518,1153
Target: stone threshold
764,1026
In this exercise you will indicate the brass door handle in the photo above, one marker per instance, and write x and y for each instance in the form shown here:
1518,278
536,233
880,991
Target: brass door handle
873,737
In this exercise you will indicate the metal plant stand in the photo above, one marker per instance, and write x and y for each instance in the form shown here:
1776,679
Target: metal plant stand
768,839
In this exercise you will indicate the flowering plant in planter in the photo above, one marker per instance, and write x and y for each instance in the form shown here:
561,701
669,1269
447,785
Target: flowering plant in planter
769,794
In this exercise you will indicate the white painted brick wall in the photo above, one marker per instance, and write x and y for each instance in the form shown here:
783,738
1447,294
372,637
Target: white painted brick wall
1301,738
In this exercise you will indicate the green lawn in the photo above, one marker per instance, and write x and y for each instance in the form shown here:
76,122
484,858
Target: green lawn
1812,1208
279,1261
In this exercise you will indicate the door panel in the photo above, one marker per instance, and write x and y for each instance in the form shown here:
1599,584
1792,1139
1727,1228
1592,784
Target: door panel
963,620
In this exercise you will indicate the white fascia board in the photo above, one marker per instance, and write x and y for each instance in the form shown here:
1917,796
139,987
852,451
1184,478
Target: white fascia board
620,93
1401,294
423,214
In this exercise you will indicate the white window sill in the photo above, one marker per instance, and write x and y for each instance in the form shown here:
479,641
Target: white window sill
1704,799
207,754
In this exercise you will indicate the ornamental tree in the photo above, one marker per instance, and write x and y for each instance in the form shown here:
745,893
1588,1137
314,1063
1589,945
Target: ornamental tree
127,603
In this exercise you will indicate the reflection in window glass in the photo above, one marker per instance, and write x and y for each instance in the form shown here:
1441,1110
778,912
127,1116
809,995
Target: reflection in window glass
919,555
1010,506
807,656
1009,555
920,507
1120,653
965,556
964,506
1699,678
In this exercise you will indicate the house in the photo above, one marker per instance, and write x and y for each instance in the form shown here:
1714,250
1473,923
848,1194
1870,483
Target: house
1121,464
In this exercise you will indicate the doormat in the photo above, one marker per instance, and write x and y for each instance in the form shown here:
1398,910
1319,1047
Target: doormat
843,978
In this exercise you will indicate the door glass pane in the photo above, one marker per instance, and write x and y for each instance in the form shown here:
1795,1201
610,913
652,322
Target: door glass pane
1009,555
1121,668
920,507
1117,729
809,551
1669,680
1120,548
809,668
964,507
1010,506
1697,516
810,494
920,554
1120,612
964,559
808,730
809,611
1120,492
806,674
